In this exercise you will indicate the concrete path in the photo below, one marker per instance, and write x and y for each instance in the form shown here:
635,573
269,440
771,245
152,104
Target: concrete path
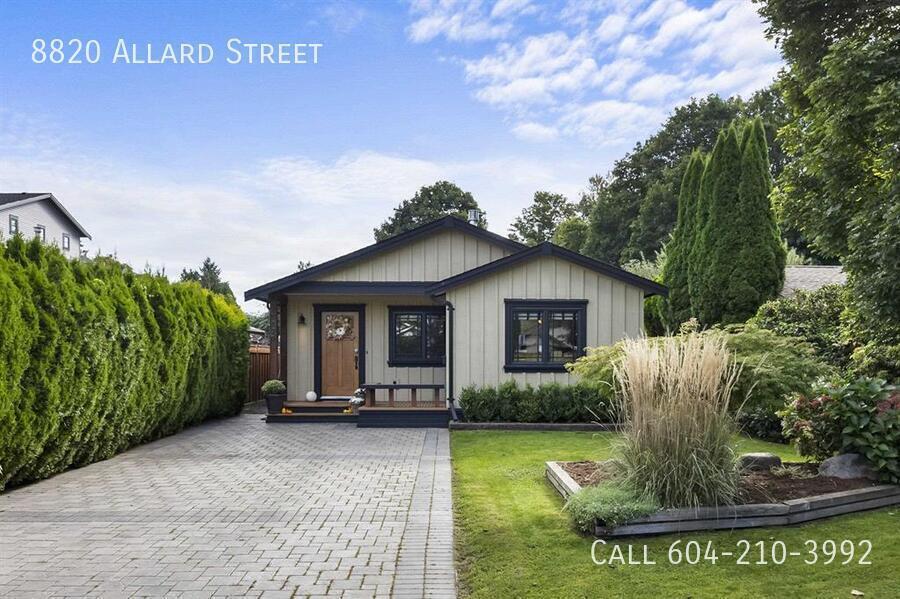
241,508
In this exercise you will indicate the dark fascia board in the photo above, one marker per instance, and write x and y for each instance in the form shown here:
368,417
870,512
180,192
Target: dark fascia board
447,222
55,202
362,287
549,249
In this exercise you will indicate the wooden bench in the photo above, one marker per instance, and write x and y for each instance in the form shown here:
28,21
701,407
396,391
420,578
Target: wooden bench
414,388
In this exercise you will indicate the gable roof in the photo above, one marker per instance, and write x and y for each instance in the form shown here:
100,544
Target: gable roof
549,249
11,200
441,224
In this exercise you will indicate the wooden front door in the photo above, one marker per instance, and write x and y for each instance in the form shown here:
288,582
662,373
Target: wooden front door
340,343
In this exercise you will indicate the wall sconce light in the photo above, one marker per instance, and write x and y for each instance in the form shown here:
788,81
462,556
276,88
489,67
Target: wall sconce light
301,320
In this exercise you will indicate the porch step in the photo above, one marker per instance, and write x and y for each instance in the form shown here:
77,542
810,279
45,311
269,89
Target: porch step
317,407
403,417
311,417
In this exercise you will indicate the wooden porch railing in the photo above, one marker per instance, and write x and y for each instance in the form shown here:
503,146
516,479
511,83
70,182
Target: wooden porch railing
414,401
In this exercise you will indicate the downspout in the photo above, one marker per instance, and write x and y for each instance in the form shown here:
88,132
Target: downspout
448,305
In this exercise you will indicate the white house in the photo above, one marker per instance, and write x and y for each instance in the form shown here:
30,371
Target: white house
41,215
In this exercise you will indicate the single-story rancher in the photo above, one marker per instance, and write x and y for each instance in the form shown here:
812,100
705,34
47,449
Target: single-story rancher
413,319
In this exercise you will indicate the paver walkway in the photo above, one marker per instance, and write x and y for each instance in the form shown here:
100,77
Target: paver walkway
241,508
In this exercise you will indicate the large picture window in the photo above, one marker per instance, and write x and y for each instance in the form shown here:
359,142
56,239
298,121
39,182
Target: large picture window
543,335
417,335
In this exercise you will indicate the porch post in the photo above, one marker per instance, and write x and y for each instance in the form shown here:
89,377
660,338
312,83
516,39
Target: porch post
274,336
282,340
278,337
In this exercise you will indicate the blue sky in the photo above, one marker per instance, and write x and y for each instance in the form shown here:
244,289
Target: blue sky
259,166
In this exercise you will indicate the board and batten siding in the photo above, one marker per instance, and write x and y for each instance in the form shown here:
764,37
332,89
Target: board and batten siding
430,258
614,310
300,339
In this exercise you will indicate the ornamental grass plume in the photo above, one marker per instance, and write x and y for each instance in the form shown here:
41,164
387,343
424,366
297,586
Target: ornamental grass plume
678,441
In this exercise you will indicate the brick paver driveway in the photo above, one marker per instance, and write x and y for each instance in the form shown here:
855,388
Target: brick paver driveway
241,508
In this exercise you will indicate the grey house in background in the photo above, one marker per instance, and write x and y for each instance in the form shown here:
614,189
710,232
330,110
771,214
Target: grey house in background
41,215
811,277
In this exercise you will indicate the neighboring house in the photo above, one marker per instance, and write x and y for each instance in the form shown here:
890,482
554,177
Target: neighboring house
41,215
441,307
810,278
257,336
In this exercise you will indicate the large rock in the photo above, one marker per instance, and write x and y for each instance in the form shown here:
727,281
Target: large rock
758,462
847,465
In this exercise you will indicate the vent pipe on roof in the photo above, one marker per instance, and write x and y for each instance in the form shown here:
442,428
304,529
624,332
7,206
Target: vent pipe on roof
474,216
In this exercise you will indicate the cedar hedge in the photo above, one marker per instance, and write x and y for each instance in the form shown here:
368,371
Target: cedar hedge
95,359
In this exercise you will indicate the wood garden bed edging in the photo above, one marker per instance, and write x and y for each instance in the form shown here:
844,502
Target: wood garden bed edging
729,517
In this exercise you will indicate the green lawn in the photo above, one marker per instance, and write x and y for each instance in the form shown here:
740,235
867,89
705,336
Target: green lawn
513,540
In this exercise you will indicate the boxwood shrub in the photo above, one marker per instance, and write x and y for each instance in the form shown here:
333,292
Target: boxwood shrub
550,402
95,358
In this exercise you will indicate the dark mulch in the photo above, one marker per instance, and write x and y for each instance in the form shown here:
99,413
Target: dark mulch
795,481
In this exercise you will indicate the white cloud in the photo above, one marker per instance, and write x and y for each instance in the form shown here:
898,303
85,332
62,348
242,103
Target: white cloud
258,222
459,20
655,87
535,132
645,55
610,122
611,28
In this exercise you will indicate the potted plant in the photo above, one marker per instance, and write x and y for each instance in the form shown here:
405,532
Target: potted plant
275,393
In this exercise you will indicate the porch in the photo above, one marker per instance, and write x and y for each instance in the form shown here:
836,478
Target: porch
389,347
422,406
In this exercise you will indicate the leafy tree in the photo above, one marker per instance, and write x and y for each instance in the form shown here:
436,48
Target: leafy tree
841,187
430,203
210,277
571,233
655,219
677,308
619,231
539,221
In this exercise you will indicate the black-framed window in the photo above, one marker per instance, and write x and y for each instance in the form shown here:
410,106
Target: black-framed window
13,225
544,335
66,242
417,335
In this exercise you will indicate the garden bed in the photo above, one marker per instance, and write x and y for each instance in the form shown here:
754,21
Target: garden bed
766,500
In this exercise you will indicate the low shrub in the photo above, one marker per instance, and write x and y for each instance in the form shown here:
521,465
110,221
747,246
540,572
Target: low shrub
860,417
815,317
550,402
613,503
762,422
677,444
831,324
95,358
772,367
273,387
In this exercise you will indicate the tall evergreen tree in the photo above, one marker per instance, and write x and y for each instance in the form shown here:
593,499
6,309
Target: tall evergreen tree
677,307
716,246
756,274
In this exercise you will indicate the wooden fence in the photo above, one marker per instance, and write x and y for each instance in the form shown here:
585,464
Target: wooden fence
259,371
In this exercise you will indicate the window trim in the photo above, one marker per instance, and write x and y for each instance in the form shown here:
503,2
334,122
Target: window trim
43,232
396,362
545,306
66,242
13,219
